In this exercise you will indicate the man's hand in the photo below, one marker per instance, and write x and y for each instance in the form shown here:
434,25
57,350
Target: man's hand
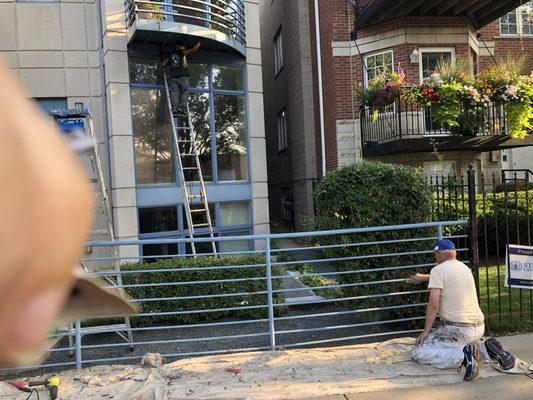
421,337
418,278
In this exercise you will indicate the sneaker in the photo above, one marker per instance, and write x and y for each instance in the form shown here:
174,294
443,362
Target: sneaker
470,362
498,354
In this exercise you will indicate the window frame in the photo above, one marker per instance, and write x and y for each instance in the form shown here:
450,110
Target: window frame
519,24
212,92
278,52
281,123
423,50
374,54
182,232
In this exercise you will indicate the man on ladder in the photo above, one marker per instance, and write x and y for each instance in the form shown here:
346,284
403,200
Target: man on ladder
178,72
187,156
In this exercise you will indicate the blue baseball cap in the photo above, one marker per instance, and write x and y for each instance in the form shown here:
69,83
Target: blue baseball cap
444,244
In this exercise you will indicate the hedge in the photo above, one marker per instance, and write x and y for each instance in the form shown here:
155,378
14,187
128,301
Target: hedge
375,194
247,285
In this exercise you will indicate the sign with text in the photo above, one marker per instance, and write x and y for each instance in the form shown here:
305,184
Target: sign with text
519,266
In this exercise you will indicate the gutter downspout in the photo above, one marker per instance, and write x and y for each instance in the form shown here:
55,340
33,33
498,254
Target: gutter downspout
320,88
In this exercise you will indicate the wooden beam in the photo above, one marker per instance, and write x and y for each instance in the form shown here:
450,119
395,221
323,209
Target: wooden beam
484,17
447,5
478,5
463,5
399,4
407,10
428,5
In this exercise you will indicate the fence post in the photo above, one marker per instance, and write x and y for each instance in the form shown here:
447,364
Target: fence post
472,225
270,296
78,344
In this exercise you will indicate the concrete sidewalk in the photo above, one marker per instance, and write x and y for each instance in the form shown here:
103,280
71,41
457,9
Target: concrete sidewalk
504,387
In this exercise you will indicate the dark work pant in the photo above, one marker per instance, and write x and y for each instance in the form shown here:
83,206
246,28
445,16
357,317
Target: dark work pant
179,92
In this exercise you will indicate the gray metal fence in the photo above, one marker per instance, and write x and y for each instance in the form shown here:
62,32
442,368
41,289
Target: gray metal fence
261,292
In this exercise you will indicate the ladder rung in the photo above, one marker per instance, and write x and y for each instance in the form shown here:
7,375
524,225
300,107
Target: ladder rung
196,210
200,225
184,140
189,167
195,196
188,154
93,180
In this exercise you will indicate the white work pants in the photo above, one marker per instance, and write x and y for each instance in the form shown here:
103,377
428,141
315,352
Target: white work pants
443,347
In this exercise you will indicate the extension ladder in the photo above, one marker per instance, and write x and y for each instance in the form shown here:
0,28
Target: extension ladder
78,126
191,178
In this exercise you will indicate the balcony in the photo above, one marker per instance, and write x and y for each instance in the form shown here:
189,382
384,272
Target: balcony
478,12
409,128
219,23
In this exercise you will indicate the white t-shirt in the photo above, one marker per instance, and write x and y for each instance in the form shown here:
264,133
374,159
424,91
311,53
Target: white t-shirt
458,298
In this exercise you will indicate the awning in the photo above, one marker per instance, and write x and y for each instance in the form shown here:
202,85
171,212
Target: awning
480,12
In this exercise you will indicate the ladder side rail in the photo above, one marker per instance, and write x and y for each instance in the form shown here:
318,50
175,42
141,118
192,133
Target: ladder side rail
185,189
203,193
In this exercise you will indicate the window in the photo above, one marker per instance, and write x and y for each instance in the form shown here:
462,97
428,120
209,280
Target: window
158,219
377,63
235,213
429,58
282,131
518,21
217,105
231,143
278,52
438,169
47,104
154,150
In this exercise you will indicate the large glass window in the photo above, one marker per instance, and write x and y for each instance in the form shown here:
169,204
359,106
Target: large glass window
158,219
377,63
154,154
145,70
199,109
227,77
217,107
234,213
231,144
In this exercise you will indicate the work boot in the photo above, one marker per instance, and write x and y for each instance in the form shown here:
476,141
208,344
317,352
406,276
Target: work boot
498,354
470,362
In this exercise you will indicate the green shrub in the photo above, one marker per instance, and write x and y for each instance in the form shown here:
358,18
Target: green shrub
375,194
247,285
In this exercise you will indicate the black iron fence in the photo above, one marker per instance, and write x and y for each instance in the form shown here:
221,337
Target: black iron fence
407,120
499,214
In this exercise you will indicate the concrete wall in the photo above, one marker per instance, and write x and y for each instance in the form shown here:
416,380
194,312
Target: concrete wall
256,120
56,51
292,89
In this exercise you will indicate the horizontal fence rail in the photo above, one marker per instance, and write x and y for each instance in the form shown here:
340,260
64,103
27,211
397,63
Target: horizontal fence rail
225,16
403,120
276,291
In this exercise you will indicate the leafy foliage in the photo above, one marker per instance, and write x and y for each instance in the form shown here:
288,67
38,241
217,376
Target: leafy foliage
372,194
176,271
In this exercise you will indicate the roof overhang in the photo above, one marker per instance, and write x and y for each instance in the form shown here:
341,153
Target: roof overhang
479,12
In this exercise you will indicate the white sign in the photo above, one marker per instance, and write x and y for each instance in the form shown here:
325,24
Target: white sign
519,267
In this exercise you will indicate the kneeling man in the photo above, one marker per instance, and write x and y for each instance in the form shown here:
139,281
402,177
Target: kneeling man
456,341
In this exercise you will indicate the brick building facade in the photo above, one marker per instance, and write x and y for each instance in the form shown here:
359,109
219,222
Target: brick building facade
390,34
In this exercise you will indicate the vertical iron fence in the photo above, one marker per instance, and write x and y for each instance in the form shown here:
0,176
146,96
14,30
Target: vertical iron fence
498,208
264,292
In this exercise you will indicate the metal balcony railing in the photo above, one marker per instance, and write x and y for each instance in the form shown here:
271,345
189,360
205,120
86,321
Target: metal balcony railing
403,120
225,16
